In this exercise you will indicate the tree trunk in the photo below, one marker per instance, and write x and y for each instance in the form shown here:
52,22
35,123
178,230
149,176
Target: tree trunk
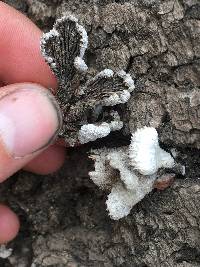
64,218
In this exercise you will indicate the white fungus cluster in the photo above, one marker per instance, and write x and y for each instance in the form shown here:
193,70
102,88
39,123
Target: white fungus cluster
145,154
129,172
83,98
91,132
5,252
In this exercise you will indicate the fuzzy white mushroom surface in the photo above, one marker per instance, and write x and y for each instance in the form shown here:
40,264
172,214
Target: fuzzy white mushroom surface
129,172
121,200
91,132
5,252
145,154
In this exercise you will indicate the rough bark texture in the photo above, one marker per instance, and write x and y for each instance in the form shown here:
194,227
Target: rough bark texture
64,221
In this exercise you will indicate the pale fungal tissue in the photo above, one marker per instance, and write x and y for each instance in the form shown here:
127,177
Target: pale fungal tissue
145,154
129,173
91,132
85,101
5,252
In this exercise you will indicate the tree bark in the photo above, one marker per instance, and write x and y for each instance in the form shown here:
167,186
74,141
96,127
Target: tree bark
65,222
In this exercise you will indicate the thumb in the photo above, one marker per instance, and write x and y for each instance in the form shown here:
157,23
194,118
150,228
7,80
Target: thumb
29,122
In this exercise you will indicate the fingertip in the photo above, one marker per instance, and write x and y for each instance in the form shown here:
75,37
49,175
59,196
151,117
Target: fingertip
30,120
21,59
9,224
48,162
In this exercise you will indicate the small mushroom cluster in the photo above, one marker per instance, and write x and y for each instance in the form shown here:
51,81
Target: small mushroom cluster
129,173
5,252
83,100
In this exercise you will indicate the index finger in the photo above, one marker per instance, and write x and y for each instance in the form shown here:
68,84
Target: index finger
21,60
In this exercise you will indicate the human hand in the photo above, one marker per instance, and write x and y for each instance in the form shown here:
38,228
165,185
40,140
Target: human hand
29,115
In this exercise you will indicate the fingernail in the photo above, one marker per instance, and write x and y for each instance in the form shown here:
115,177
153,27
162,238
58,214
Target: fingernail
30,119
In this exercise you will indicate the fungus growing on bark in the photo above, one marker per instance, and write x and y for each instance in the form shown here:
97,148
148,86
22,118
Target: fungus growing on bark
63,49
145,154
129,173
5,252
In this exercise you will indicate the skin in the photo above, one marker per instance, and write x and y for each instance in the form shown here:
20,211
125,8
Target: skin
20,46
